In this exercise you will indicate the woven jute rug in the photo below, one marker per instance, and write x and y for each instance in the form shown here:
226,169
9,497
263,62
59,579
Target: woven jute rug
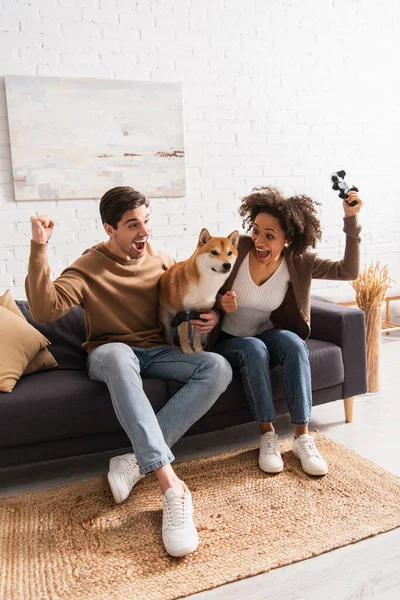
74,543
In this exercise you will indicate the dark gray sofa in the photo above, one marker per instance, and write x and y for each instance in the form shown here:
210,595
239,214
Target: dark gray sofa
62,413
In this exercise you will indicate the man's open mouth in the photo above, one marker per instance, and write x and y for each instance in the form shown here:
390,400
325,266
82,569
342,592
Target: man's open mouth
139,246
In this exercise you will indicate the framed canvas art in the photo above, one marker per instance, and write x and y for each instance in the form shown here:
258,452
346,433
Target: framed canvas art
77,138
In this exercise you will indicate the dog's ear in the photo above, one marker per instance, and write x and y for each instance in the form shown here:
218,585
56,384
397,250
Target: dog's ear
234,238
204,236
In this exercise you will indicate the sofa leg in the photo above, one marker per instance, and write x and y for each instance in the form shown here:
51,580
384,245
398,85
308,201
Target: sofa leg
348,409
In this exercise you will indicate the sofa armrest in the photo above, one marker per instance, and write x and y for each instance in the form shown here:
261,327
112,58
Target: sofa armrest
345,327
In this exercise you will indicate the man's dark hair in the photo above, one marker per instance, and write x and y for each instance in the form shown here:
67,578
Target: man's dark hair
117,201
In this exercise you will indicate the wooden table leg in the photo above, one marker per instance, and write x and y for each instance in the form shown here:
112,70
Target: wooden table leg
348,409
387,313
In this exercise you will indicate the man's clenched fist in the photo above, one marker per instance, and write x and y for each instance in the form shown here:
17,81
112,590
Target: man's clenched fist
42,228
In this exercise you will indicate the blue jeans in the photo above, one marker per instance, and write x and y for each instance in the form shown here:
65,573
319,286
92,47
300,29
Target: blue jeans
122,367
253,356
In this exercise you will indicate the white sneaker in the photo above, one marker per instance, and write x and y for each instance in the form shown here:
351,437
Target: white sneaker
305,449
269,459
123,475
179,533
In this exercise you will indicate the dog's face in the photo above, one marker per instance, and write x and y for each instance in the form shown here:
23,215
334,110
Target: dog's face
217,254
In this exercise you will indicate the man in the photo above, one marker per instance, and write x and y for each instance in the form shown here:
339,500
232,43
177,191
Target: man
116,283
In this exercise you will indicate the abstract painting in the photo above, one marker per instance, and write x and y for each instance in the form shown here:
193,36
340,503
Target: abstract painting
77,138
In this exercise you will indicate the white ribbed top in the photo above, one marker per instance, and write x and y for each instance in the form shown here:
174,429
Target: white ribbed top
255,302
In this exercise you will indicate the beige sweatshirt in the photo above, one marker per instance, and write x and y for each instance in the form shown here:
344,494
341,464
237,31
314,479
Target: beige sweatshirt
119,296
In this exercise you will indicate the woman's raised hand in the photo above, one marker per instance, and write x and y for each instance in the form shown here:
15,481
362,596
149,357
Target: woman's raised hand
350,211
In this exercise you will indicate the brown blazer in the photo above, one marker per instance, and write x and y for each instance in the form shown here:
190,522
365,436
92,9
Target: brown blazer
294,312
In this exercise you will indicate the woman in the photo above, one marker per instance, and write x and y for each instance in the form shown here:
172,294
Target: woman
266,304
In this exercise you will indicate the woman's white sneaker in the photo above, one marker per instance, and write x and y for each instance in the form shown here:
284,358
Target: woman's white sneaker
305,449
179,533
123,475
269,459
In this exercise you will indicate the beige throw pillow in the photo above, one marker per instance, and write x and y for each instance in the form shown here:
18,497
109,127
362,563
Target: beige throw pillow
44,359
19,343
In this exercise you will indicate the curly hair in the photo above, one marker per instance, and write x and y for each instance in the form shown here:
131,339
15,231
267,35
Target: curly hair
297,216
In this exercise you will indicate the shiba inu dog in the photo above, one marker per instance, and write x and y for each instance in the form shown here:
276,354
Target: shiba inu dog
192,285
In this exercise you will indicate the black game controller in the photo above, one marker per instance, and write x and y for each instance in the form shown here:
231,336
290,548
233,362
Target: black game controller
339,183
186,315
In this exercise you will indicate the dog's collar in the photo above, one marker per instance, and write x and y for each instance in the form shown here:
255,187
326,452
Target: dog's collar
185,315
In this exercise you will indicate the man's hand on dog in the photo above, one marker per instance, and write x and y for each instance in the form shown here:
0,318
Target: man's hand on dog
202,327
229,302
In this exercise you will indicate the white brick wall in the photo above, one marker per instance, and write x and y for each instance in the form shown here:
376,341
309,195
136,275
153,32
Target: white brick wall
279,93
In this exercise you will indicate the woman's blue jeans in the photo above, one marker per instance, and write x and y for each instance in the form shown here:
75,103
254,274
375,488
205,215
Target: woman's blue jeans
253,356
122,368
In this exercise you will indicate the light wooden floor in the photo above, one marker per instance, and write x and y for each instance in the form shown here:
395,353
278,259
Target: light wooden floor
368,569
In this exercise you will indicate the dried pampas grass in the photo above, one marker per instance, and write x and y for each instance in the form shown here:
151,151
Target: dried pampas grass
371,287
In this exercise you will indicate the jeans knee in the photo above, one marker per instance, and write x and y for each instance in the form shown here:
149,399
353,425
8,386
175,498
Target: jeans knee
219,367
291,345
253,351
115,356
299,348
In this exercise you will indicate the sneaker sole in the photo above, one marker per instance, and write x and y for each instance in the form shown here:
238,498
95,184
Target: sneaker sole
315,473
270,469
179,552
114,488
318,473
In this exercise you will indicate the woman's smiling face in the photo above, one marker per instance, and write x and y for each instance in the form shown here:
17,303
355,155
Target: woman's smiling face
268,237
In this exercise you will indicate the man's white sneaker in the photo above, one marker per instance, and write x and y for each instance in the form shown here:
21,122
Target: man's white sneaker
305,449
123,475
179,533
269,459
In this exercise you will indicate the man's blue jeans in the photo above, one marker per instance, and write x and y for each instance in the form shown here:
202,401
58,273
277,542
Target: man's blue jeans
122,368
253,356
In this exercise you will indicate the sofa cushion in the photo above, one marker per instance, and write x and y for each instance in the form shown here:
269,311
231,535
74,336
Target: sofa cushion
66,336
61,404
326,362
19,343
44,359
